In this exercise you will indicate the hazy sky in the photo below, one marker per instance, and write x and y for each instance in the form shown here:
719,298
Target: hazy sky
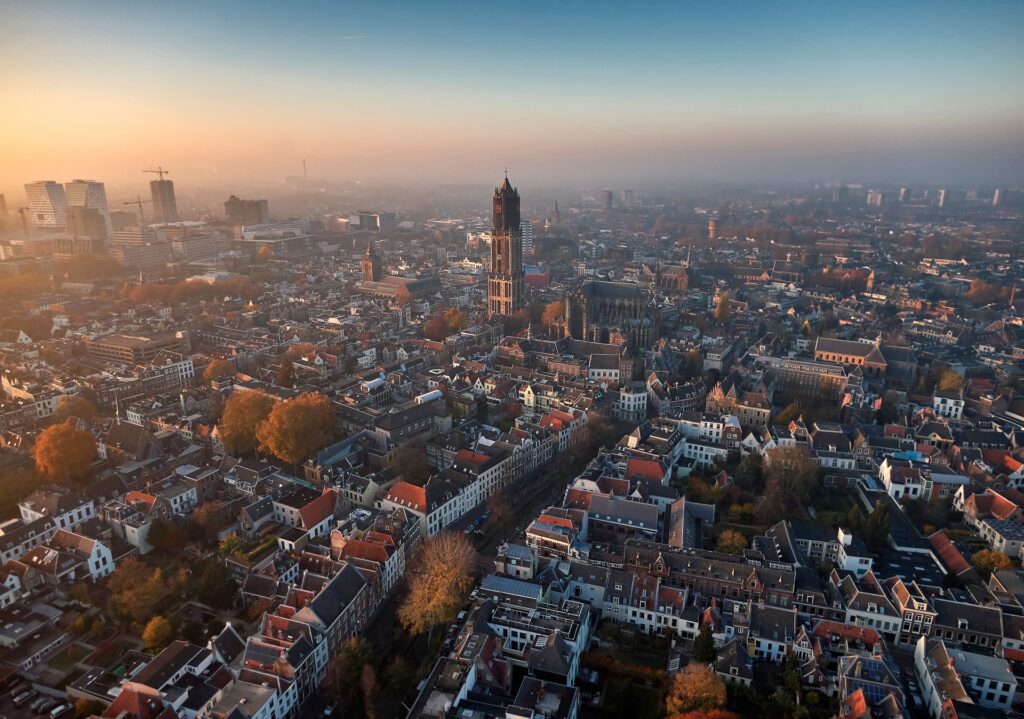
561,92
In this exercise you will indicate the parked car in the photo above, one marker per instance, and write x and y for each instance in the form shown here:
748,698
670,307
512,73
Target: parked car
24,698
60,711
39,703
330,708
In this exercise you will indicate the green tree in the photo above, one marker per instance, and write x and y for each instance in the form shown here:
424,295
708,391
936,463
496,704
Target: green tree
704,645
345,673
412,465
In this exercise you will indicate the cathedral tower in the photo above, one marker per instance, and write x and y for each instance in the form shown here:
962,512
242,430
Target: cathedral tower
370,264
505,281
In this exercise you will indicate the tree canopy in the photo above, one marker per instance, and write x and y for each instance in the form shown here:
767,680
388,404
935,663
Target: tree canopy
243,413
439,582
297,427
695,688
412,465
219,369
731,542
73,406
987,561
64,453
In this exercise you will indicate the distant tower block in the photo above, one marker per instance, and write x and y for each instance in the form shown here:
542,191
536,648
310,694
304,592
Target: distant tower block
713,229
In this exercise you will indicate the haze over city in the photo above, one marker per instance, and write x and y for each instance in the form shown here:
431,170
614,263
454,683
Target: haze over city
460,360
564,93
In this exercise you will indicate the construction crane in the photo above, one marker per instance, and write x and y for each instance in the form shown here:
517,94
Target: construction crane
139,201
158,170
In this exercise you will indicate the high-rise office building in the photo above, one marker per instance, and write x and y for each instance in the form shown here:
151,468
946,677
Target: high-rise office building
47,204
628,197
87,222
526,231
875,198
246,212
505,280
905,194
943,198
120,219
165,207
92,195
609,198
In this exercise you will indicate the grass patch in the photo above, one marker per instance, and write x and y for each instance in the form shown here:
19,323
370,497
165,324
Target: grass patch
67,657
624,697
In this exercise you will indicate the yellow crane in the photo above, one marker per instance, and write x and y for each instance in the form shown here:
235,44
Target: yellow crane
139,201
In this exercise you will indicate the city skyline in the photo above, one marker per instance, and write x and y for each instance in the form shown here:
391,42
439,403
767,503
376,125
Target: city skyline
575,94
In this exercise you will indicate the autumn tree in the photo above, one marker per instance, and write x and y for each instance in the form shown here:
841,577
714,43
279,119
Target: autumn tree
439,582
402,296
790,477
455,320
731,542
370,688
265,253
231,545
211,516
535,311
345,673
64,453
695,688
723,310
501,507
297,427
243,413
787,414
987,561
553,311
166,535
704,645
436,328
136,590
299,350
948,381
517,322
73,406
412,465
285,376
219,369
707,714
157,634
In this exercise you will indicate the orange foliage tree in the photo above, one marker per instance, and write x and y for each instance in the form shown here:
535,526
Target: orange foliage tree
217,370
297,427
695,688
243,413
64,453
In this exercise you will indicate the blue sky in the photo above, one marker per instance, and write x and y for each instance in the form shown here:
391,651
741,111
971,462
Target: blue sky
927,91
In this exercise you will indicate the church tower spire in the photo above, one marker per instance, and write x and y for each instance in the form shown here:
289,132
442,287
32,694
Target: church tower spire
370,265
